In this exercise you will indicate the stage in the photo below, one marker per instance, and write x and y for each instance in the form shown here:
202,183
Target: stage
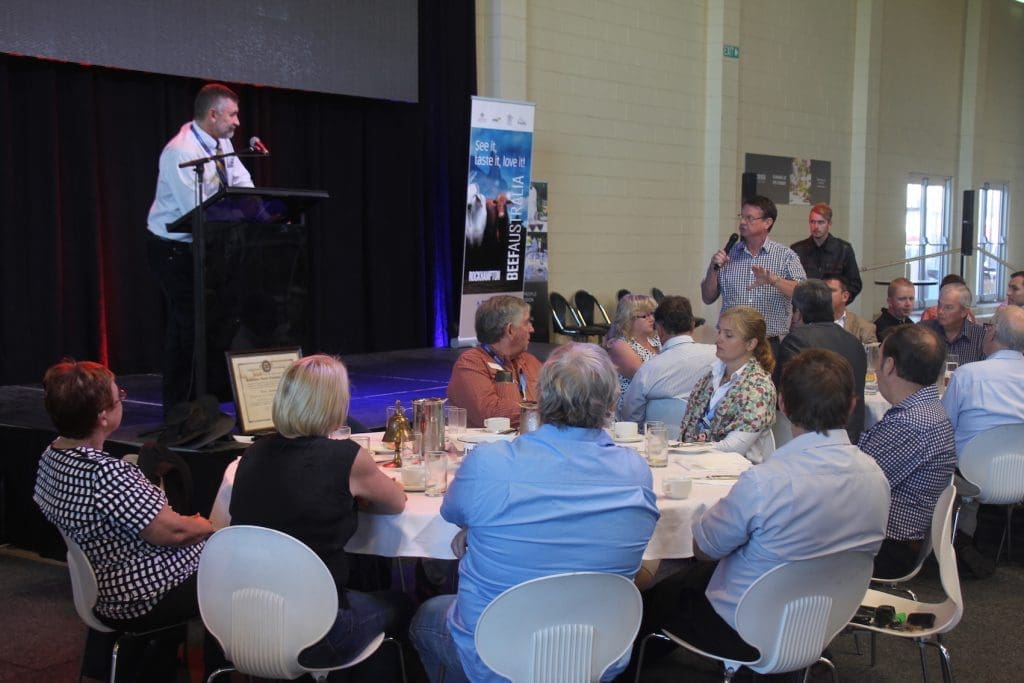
377,380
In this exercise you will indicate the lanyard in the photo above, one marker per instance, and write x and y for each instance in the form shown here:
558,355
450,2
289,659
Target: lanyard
522,378
219,163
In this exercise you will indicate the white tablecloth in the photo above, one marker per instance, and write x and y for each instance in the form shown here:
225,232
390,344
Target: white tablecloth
419,531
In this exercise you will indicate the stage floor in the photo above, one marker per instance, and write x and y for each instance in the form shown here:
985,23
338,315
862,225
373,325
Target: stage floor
377,381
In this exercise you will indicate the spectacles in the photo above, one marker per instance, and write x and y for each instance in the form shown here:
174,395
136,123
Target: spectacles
749,219
640,316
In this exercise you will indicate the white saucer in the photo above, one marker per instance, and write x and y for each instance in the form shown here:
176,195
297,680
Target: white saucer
381,447
691,448
628,439
381,458
485,437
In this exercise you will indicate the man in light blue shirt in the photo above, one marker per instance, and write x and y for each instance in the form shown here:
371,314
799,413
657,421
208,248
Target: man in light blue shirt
561,499
815,496
673,372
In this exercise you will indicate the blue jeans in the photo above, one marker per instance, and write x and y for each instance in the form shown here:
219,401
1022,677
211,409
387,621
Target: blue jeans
433,641
367,615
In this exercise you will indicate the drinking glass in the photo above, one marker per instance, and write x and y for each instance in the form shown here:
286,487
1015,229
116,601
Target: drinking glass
412,450
437,472
455,421
952,363
656,446
342,432
653,424
363,441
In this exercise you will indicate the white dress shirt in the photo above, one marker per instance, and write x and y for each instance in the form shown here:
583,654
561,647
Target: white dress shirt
670,374
985,394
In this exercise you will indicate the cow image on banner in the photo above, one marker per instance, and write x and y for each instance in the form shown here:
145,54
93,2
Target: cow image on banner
497,194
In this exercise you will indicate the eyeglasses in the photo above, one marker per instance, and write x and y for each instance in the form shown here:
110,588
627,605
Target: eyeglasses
640,316
749,219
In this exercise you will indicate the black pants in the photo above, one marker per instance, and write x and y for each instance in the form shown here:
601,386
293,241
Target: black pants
172,263
680,605
896,559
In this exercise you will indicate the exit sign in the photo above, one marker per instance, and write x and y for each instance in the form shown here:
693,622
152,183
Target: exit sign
731,51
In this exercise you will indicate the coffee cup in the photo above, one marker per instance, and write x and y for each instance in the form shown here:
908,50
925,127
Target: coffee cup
497,424
625,430
677,487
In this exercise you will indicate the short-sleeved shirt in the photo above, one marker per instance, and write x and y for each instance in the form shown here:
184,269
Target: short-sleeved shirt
913,444
104,504
735,277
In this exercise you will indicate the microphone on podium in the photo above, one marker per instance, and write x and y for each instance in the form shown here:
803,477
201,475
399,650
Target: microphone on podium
257,146
733,239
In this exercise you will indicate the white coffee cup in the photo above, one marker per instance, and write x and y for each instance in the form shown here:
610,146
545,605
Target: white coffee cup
677,487
625,430
497,424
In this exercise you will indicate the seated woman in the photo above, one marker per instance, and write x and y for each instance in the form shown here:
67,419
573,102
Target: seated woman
733,406
631,339
492,379
308,486
144,554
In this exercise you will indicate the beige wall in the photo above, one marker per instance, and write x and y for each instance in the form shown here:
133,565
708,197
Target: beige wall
642,125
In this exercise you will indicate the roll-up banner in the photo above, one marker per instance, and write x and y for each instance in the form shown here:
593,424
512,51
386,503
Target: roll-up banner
497,191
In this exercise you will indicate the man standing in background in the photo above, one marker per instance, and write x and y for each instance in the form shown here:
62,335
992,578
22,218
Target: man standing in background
215,119
823,253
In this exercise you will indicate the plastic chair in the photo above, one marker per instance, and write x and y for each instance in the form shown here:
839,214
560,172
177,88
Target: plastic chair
948,612
792,612
265,596
657,294
668,410
84,592
589,308
567,320
566,628
994,462
621,293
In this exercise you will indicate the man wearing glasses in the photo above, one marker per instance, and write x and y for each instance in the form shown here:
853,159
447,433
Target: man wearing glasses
757,272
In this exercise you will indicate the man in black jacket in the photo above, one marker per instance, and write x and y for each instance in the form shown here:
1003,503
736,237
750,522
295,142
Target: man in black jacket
823,253
814,327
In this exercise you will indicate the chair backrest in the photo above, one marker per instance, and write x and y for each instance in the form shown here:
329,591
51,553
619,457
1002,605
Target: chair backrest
265,597
668,410
566,628
994,460
588,307
792,612
947,614
563,314
621,293
83,585
657,294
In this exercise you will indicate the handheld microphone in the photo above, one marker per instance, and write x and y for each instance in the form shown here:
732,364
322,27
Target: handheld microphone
733,239
257,146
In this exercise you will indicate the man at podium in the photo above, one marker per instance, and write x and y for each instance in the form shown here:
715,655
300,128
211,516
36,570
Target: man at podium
170,254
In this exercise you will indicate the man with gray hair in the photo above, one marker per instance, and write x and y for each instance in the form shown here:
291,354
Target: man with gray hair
983,395
492,379
563,498
963,338
814,328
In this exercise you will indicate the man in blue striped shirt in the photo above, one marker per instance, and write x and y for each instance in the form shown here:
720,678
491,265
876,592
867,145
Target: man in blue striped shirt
913,443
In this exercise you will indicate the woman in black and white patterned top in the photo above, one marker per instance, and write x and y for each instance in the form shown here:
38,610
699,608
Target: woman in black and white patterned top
144,554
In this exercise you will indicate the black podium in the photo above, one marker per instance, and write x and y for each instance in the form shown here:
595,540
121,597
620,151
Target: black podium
251,275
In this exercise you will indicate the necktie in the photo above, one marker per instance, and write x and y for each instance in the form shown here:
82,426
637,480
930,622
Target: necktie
222,171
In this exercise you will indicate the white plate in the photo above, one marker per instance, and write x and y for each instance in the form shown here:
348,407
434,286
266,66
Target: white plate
381,458
381,447
691,449
628,439
485,437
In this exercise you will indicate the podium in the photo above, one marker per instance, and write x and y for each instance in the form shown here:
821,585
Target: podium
251,275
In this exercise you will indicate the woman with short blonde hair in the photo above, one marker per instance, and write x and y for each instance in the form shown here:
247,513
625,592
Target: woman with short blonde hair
631,339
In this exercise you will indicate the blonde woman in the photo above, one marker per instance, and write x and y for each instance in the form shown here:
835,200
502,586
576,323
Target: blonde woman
631,339
733,406
307,485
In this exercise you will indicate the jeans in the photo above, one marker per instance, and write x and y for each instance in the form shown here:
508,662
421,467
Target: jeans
367,615
433,641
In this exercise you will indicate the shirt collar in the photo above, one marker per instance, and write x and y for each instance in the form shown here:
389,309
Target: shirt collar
204,136
842,321
1008,354
676,341
926,394
814,439
718,370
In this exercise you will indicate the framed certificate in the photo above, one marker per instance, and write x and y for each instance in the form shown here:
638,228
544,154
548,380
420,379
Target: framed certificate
254,379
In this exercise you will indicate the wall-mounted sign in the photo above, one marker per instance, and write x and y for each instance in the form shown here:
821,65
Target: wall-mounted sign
791,180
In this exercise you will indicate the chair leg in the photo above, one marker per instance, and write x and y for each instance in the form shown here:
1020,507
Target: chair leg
218,672
113,660
873,634
643,648
947,667
1006,538
921,644
401,656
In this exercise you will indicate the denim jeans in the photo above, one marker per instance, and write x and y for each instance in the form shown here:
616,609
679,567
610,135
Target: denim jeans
367,615
433,641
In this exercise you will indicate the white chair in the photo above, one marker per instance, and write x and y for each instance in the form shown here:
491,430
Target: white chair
946,613
84,592
994,462
566,628
265,596
668,410
791,613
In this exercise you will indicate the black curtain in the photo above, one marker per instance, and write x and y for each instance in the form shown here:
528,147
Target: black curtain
78,166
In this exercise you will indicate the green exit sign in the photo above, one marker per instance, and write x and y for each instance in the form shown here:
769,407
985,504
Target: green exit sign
731,51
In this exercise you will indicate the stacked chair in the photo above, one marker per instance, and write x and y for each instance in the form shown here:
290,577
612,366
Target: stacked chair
568,322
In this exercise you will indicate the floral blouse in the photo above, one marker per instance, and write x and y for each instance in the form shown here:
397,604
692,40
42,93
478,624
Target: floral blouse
749,406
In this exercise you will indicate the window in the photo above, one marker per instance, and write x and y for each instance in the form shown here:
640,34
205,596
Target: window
990,283
927,229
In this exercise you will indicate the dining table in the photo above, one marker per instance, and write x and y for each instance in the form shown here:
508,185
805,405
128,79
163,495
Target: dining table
420,531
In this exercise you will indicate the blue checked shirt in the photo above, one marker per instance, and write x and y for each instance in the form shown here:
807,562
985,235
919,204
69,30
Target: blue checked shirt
967,345
736,276
914,446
